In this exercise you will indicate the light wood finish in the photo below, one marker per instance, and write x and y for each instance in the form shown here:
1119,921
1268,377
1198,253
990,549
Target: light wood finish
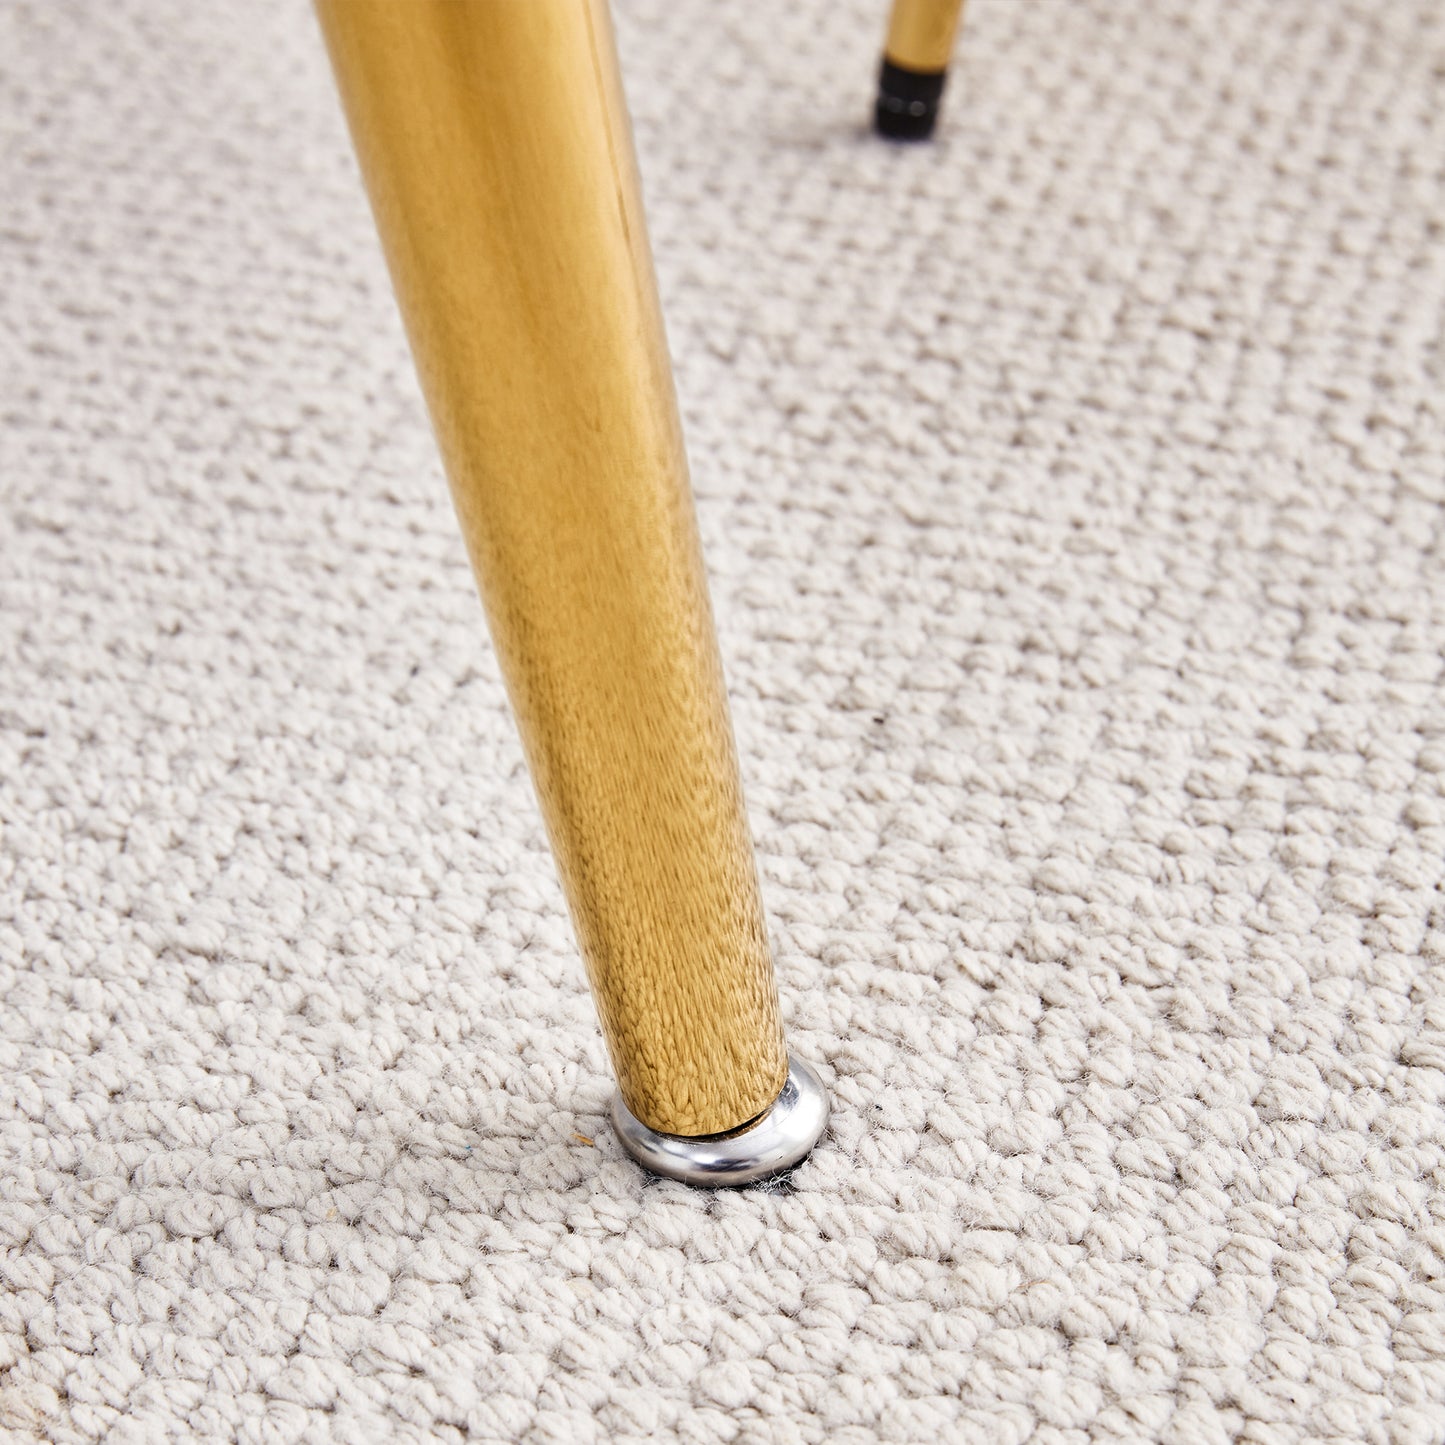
495,145
921,32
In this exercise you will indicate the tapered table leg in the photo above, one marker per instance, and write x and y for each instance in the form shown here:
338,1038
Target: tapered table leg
494,142
915,66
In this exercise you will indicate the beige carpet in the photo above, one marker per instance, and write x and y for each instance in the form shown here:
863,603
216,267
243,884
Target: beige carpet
1072,492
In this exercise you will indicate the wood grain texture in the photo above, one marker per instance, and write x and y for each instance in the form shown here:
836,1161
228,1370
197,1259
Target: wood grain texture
497,153
921,32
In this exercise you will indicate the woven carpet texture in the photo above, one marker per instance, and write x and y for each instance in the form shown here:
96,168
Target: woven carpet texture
1071,491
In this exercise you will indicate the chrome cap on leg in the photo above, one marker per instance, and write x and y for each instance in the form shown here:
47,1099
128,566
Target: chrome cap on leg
776,1140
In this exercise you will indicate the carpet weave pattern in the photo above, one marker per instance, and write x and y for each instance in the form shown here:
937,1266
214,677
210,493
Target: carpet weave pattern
1071,489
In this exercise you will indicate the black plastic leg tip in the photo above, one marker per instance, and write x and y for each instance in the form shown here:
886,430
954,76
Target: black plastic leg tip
897,123
908,100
